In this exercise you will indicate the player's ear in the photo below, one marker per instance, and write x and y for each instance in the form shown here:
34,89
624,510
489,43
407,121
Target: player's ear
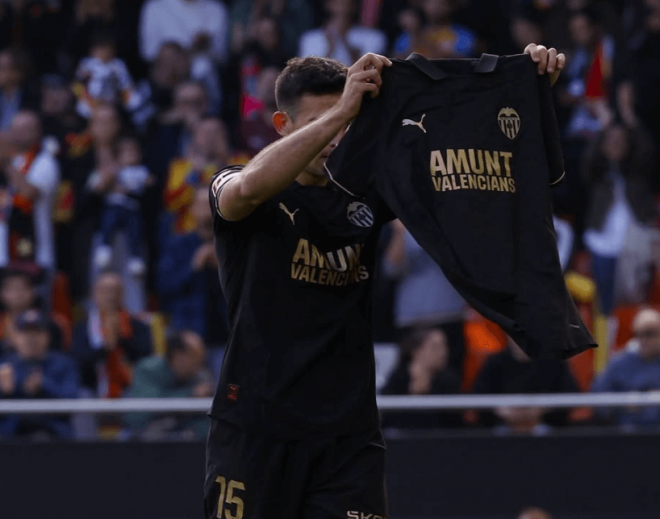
282,123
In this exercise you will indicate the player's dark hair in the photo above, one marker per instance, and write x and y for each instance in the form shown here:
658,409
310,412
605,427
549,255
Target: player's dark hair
311,76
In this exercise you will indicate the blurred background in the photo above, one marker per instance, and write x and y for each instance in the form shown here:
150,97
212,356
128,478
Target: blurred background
115,114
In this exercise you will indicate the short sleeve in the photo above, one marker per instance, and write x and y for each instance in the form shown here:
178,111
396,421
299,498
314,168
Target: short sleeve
218,182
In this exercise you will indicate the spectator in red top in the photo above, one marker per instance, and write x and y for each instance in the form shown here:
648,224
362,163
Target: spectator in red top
109,341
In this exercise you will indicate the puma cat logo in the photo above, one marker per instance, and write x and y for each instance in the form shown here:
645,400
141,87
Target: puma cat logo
410,122
291,215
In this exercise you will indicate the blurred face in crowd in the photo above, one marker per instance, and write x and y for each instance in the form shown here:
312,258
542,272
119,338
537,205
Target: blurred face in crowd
266,33
109,292
129,152
525,31
210,139
31,344
646,328
17,293
104,125
185,364
340,8
55,101
171,66
308,109
534,513
615,145
191,102
201,211
266,86
437,10
433,352
96,7
25,130
10,75
103,52
582,29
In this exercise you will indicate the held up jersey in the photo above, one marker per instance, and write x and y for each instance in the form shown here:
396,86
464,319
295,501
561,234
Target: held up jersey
464,152
297,276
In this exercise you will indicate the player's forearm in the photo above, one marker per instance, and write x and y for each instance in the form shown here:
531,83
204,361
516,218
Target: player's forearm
275,167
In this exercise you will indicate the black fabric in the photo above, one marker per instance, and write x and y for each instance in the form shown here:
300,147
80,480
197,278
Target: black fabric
297,276
331,478
465,161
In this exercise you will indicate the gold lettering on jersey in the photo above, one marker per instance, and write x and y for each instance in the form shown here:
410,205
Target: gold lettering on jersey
472,169
338,268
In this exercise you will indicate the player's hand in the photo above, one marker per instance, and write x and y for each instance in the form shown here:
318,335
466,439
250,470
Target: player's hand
548,60
7,379
32,384
362,78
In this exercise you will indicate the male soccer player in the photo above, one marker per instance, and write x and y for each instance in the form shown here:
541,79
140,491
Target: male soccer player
295,429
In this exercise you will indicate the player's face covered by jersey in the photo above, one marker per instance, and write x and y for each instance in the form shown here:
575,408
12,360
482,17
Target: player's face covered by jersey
310,108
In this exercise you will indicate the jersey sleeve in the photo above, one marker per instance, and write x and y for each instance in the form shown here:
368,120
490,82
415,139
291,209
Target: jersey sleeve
551,138
218,182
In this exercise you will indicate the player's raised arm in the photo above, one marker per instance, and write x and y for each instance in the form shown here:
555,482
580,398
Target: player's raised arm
305,139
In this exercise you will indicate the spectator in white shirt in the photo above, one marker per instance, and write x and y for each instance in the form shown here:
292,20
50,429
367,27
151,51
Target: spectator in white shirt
194,24
26,228
340,38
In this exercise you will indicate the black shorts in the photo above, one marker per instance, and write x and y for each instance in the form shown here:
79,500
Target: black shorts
252,476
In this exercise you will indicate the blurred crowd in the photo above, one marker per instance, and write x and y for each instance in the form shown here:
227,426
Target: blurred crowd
115,115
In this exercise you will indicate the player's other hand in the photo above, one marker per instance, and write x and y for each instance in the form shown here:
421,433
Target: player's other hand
547,60
362,78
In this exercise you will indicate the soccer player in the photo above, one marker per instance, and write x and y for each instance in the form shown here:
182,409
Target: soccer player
295,428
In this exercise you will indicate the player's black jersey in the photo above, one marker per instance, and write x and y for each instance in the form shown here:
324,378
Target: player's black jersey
463,152
297,276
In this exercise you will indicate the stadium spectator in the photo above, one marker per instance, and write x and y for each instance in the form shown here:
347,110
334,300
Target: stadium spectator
103,77
15,93
34,371
617,169
442,37
193,24
91,17
181,374
188,275
512,372
637,95
170,68
122,209
411,22
109,341
207,153
424,297
37,26
526,27
340,38
293,18
534,513
636,369
18,294
91,151
422,370
171,135
26,227
257,131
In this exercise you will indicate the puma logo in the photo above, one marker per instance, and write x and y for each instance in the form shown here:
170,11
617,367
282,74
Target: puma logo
410,122
291,215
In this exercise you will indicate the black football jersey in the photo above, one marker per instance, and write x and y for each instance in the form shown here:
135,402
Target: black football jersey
297,276
464,153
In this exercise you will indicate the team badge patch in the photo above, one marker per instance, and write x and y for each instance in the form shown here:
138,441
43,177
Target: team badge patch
359,214
509,122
